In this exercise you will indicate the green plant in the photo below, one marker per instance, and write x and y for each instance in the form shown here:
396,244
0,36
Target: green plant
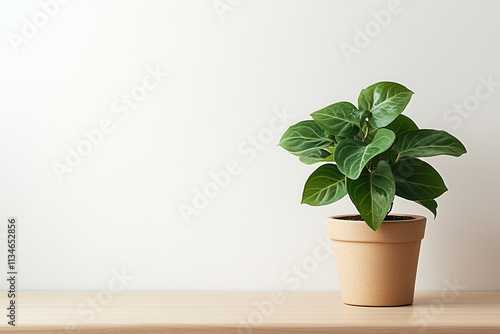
371,152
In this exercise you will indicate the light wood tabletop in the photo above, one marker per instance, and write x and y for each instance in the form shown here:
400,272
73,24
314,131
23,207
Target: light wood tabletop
154,312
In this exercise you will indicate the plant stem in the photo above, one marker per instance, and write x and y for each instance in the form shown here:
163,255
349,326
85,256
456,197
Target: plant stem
367,129
362,133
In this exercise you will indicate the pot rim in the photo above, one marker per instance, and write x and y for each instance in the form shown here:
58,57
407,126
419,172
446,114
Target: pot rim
358,231
415,218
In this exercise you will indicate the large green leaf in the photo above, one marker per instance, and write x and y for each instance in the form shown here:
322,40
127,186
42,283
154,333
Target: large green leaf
340,119
317,155
417,180
352,155
325,185
304,137
372,193
385,101
427,143
401,125
429,204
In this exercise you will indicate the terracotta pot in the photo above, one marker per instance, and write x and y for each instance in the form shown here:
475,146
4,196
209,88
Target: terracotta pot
376,268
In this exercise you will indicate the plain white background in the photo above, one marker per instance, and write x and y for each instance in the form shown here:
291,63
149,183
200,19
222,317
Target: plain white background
232,66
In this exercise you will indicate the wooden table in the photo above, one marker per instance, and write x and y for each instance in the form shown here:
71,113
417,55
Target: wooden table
247,313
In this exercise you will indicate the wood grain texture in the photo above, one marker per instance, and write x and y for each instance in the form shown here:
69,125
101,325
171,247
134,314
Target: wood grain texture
155,312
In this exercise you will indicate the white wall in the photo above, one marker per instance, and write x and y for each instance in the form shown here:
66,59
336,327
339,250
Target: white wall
119,208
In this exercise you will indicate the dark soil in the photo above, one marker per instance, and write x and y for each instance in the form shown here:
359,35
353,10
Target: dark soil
388,218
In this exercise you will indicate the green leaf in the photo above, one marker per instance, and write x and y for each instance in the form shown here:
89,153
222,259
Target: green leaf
339,138
372,193
417,180
382,156
325,185
304,137
371,135
352,155
401,125
340,119
427,143
429,204
314,156
385,101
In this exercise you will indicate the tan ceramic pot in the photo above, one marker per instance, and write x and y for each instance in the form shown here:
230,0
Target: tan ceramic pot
376,268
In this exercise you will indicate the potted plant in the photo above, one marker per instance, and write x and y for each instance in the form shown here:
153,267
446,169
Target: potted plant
372,153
